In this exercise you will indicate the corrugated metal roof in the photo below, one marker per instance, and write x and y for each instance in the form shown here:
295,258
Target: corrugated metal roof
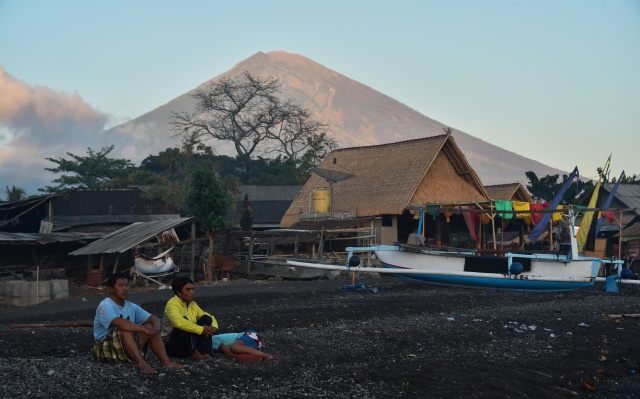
631,231
128,237
628,194
43,239
61,222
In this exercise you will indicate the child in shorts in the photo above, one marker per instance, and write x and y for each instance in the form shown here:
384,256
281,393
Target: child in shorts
244,347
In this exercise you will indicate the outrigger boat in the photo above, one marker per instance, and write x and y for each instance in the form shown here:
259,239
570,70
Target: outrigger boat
545,272
539,272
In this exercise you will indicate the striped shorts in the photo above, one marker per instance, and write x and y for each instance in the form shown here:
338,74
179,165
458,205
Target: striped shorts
111,349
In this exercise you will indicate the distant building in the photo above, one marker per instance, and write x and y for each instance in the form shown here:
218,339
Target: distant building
262,207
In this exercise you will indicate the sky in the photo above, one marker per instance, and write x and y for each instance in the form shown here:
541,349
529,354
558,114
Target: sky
557,81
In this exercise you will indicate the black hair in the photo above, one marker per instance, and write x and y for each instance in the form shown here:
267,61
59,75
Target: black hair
111,281
179,282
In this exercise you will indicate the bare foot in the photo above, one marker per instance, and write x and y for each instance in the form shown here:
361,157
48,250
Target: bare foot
199,356
146,369
269,358
174,365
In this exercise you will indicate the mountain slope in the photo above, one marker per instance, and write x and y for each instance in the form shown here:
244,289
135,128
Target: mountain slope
357,114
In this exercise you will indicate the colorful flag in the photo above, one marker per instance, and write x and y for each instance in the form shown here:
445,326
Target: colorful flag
583,232
544,220
607,202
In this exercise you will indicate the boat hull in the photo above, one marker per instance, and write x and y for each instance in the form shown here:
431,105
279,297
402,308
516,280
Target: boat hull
498,282
546,273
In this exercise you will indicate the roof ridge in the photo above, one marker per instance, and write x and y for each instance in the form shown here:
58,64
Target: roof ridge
392,144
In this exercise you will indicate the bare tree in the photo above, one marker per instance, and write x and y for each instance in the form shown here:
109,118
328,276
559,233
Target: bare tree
248,111
298,133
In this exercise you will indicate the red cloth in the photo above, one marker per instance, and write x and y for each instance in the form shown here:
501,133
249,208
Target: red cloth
611,215
471,219
536,216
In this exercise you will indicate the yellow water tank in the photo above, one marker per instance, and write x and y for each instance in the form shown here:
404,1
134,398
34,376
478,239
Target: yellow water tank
321,200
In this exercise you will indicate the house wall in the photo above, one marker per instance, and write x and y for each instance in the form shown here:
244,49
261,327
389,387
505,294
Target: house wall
388,235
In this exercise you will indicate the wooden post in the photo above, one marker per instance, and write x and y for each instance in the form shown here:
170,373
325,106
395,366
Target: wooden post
115,266
37,284
295,246
620,239
272,247
101,262
493,228
321,244
209,271
192,265
250,253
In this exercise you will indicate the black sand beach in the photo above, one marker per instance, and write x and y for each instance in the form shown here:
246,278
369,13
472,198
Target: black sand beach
406,340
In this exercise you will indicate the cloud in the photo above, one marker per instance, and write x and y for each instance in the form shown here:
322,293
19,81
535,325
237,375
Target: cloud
37,122
43,117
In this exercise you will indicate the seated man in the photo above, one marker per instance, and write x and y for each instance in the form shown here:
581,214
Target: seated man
244,347
187,329
123,331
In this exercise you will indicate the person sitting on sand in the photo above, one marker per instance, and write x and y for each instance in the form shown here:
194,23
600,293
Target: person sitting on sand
244,347
187,329
123,331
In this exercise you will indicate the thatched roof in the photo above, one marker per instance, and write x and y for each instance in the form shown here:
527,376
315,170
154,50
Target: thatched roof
391,177
509,192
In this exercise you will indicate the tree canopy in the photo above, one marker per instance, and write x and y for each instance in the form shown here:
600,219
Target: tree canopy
545,188
15,193
91,171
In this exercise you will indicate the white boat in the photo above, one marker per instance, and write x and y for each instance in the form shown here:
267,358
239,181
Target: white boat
542,272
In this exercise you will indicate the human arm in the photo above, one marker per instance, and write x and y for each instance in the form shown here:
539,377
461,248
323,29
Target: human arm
148,328
209,328
181,317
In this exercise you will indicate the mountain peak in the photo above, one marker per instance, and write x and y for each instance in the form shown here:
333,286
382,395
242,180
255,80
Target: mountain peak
357,115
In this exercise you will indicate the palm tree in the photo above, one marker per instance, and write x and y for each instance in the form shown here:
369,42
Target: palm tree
15,193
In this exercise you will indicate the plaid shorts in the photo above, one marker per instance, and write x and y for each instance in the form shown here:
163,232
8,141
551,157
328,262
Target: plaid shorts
111,350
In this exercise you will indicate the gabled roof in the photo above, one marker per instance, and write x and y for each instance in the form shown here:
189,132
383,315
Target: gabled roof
627,195
508,192
631,232
128,237
391,177
269,193
268,204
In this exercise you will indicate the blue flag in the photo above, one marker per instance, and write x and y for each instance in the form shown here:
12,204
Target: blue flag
607,202
544,220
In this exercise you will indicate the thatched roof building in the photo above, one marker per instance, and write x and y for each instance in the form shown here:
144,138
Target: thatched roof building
509,192
389,178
